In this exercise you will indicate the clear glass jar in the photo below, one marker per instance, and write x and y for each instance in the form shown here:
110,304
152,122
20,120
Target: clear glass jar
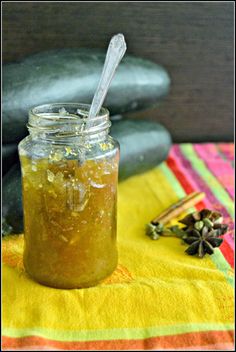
69,178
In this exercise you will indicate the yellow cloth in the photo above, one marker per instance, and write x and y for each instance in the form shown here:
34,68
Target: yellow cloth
157,290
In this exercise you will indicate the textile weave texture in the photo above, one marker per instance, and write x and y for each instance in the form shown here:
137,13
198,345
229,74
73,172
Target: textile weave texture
158,297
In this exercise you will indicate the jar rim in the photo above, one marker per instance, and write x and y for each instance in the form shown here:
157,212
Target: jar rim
85,107
63,119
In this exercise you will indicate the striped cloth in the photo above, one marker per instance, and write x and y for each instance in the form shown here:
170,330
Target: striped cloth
159,297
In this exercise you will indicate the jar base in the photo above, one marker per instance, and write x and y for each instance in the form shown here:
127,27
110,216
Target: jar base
73,286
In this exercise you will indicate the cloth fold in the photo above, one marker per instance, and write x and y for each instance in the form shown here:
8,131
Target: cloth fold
158,297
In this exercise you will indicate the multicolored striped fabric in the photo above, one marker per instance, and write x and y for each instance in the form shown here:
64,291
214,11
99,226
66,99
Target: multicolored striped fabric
159,297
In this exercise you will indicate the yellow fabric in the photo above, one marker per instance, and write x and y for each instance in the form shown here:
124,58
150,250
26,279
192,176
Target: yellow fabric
155,285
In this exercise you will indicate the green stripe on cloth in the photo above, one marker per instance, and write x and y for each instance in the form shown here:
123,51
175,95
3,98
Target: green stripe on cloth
113,334
222,264
177,188
180,192
200,167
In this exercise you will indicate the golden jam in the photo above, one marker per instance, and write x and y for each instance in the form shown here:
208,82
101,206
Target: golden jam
70,220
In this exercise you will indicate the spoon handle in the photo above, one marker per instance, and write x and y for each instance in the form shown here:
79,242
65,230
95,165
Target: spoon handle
115,52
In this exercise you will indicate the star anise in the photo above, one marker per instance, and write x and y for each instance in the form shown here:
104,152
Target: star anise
202,230
202,242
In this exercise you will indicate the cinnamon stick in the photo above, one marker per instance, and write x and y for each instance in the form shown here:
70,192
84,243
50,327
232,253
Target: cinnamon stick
179,207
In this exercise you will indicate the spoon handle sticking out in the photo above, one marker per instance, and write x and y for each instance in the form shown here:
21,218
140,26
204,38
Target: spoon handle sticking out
115,52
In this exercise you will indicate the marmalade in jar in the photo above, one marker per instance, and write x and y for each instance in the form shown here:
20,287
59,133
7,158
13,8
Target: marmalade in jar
69,214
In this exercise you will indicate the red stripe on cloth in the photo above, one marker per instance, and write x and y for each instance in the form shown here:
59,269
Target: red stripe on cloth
227,253
162,342
215,347
183,180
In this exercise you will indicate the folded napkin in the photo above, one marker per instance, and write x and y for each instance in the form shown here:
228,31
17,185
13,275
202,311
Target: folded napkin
158,297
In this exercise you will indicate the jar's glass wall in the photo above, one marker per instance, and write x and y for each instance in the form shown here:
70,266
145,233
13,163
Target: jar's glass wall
69,198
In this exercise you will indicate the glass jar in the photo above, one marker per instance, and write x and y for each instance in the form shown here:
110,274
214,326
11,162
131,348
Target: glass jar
69,178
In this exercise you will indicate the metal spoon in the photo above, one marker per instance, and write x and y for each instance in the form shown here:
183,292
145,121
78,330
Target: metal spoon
115,52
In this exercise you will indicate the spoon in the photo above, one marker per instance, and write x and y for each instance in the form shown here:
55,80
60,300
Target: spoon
115,52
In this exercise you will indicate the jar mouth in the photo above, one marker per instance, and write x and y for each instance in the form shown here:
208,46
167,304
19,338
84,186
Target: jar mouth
67,119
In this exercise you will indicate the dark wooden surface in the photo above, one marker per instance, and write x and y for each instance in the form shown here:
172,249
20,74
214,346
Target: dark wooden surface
193,41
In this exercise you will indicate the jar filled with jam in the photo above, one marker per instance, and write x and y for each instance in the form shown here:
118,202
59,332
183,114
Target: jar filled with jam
69,167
